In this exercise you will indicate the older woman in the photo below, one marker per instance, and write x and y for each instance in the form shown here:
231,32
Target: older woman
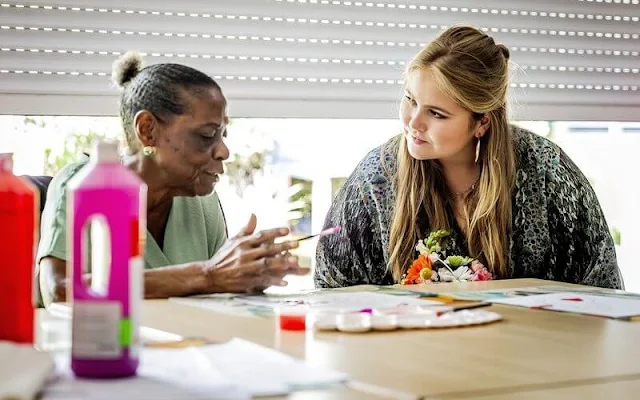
174,118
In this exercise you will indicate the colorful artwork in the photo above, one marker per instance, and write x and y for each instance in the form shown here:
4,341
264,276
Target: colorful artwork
355,297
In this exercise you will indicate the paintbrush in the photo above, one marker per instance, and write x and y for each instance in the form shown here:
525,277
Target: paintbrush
326,232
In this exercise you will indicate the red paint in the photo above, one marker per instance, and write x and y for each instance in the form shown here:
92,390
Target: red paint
18,214
573,299
292,322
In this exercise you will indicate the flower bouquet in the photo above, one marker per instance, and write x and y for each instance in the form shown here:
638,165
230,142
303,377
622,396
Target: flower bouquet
435,265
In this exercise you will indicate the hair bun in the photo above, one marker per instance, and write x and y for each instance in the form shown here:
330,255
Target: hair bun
505,51
126,68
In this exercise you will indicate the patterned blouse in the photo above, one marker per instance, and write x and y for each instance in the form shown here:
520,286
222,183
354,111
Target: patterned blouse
558,229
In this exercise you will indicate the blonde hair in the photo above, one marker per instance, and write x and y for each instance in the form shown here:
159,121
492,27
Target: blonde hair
470,68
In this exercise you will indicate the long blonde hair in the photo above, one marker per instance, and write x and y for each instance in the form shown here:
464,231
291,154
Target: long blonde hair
471,69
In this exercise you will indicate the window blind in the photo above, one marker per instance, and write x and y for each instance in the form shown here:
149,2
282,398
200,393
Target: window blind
571,59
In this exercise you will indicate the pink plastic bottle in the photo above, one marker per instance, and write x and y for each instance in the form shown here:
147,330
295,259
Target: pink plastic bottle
105,327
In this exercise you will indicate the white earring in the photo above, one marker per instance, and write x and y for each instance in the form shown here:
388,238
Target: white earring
477,151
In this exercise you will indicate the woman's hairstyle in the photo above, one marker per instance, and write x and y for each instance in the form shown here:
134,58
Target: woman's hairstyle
158,88
470,68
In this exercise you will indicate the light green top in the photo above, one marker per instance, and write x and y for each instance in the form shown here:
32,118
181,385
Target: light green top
194,232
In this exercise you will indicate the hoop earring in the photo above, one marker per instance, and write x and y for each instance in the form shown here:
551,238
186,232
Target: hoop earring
148,151
477,151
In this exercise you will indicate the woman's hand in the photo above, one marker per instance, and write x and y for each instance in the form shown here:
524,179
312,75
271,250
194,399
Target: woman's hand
251,262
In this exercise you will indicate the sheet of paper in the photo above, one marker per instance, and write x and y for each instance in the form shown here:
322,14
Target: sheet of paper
481,295
340,301
263,305
271,372
587,290
238,369
24,370
580,303
163,374
486,295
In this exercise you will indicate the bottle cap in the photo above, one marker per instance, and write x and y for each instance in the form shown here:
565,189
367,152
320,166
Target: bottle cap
6,162
105,152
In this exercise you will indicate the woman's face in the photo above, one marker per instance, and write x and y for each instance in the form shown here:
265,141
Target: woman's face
436,127
190,148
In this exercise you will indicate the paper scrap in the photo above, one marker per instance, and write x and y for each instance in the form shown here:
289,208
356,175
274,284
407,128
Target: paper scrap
581,303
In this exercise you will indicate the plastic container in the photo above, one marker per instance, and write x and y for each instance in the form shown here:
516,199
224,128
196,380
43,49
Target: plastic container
292,319
18,213
105,324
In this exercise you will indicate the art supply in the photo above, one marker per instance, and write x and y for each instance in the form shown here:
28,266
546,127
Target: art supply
579,303
340,301
291,319
353,322
326,232
384,320
25,371
467,307
236,370
105,323
18,213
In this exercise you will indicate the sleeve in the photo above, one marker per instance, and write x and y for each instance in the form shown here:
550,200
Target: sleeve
355,255
580,238
53,224
215,223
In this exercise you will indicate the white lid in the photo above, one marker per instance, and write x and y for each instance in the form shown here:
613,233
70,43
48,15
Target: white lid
6,162
105,152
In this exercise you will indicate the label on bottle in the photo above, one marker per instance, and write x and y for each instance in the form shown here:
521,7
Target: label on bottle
136,288
96,329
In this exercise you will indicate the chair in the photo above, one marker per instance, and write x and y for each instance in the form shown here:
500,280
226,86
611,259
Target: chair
41,182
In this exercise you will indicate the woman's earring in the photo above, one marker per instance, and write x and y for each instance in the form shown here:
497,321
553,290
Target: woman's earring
477,151
148,151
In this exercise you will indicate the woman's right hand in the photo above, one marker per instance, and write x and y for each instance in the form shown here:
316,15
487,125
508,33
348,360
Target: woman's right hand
251,262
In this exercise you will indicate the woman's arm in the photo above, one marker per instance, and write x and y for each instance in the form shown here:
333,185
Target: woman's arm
248,262
355,255
581,245
171,281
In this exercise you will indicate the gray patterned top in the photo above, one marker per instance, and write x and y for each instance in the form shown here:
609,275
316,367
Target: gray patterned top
558,229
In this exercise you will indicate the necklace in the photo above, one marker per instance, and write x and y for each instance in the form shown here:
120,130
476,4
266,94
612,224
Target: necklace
469,190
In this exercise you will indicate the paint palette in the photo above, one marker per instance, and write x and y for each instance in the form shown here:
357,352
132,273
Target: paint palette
360,322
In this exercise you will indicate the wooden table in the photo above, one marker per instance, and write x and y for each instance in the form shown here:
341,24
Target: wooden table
531,354
622,388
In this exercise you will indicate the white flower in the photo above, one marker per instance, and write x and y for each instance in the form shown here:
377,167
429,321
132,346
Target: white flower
459,274
434,276
463,273
422,248
434,258
445,275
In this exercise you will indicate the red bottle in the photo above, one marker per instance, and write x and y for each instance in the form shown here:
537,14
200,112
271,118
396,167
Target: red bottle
18,218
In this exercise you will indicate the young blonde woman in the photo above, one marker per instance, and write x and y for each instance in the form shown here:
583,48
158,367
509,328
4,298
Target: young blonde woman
509,198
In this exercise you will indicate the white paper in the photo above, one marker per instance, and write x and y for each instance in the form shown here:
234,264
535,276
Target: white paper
238,369
587,290
24,370
340,301
578,303
267,372
164,374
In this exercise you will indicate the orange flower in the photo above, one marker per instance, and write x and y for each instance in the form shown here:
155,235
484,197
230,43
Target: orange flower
414,274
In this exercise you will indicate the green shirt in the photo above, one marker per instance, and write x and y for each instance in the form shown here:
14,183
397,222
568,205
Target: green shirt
195,229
